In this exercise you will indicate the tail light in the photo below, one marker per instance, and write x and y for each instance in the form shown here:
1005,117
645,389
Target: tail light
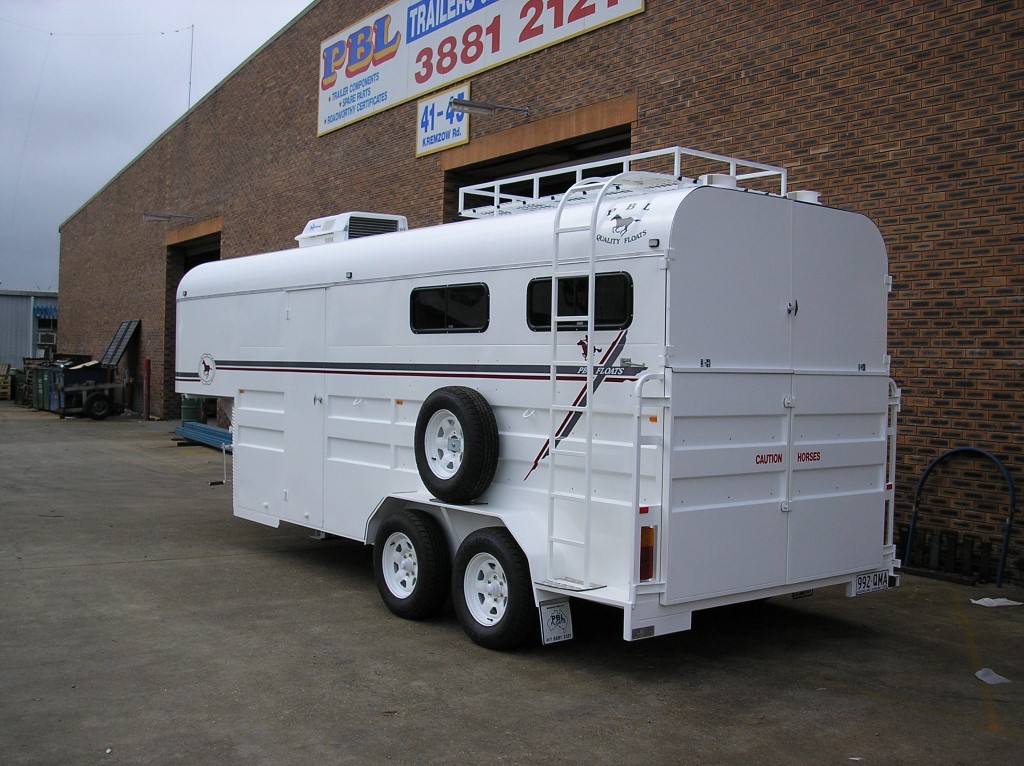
647,536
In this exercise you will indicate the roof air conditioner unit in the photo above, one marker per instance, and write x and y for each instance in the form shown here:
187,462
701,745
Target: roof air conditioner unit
338,228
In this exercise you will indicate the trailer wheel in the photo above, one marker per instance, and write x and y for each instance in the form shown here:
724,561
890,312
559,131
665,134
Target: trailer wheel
492,591
97,407
456,444
411,565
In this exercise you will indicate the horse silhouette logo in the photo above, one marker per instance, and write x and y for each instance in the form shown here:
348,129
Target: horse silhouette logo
207,369
585,346
621,225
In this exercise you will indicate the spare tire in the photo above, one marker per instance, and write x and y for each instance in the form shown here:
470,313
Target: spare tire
456,444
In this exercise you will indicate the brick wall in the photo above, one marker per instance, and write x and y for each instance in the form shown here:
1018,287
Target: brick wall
908,112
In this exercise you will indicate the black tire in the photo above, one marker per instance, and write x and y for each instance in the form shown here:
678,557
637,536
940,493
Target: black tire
97,406
492,591
456,444
411,565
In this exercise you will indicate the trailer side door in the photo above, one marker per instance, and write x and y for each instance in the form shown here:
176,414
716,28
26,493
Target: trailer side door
279,415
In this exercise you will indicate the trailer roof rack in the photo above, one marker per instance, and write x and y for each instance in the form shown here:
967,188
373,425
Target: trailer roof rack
545,189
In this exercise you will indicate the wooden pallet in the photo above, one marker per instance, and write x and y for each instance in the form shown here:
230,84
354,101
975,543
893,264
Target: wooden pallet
5,387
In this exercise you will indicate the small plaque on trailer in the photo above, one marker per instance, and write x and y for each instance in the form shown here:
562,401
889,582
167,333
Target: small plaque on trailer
555,620
871,582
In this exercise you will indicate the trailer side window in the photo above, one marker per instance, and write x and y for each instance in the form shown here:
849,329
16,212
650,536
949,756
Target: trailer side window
613,294
450,308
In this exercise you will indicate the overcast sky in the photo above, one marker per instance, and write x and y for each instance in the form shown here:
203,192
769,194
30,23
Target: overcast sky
85,86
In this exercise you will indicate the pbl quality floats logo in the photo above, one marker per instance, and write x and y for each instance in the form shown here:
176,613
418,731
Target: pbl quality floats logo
626,223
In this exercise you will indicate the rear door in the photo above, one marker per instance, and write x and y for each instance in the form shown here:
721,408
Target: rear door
840,394
727,531
730,334
779,395
837,488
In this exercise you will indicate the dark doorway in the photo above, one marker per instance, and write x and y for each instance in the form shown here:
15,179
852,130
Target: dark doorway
181,258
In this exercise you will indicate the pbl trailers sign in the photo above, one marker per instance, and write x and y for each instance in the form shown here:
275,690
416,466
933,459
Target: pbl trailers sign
413,47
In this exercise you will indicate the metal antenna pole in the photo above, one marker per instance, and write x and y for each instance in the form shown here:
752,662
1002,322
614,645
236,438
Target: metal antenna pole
191,50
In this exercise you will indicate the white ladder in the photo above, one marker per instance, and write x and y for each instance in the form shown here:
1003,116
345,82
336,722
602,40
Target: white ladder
580,412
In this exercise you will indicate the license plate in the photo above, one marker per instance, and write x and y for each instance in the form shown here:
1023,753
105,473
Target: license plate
871,582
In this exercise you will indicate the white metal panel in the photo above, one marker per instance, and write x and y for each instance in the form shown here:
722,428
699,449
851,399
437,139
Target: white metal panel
731,281
373,397
726,531
278,417
16,326
258,449
839,291
837,521
207,332
776,285
262,325
303,489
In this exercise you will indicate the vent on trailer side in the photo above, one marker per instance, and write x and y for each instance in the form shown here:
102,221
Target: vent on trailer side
343,226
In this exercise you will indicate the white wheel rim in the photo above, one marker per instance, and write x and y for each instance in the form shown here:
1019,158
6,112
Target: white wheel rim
443,444
399,565
485,588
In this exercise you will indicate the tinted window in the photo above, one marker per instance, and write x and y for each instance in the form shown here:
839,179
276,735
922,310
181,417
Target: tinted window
613,293
450,308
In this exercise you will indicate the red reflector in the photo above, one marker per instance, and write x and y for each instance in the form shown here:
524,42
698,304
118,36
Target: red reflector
888,487
645,509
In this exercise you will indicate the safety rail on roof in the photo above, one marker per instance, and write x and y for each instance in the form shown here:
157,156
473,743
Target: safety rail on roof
524,193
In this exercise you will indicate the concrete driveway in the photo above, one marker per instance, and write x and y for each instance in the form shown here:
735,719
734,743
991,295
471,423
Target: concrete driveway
141,623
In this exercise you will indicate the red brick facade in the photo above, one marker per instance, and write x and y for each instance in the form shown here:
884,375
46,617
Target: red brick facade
906,111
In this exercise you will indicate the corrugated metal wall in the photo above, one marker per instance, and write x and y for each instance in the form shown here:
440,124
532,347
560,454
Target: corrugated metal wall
17,324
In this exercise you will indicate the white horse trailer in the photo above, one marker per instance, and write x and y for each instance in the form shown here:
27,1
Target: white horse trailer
699,413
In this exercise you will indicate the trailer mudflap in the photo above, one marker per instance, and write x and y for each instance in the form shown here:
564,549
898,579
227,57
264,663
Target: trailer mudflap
555,620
